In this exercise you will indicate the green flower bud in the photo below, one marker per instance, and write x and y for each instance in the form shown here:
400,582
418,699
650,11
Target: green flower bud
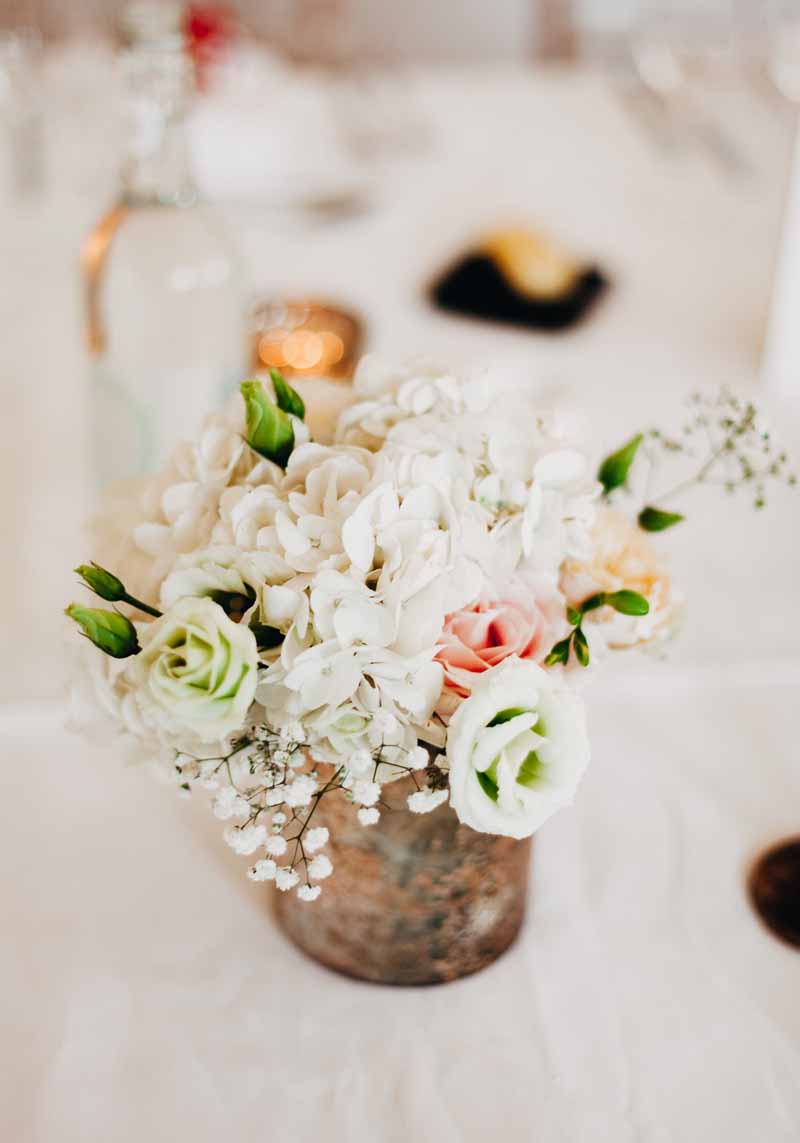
288,398
108,630
269,429
102,582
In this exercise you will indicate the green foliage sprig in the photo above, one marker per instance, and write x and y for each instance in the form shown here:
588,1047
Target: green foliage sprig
625,602
109,587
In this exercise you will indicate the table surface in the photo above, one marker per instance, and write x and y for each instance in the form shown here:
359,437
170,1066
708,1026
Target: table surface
148,994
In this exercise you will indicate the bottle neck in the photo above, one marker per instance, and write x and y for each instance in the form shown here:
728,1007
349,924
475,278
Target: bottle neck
157,170
158,173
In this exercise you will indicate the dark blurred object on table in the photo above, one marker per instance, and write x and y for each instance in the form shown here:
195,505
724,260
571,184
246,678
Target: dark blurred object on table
520,277
775,890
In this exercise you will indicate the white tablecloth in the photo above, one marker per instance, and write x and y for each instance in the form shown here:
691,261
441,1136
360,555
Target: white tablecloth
148,995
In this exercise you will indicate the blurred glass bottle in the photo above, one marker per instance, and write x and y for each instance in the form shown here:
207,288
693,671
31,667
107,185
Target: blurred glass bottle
167,326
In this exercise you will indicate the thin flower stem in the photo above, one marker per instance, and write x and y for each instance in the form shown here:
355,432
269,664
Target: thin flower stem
134,602
698,476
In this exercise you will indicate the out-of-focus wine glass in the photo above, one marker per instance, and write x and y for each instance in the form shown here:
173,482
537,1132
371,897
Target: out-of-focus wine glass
679,50
783,47
678,42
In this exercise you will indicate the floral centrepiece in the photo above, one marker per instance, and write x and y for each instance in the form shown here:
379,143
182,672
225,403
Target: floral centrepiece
295,618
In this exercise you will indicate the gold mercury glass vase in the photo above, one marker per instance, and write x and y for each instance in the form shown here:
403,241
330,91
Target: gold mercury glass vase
413,899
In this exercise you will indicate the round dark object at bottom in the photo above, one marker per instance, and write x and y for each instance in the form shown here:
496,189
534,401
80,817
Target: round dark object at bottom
775,890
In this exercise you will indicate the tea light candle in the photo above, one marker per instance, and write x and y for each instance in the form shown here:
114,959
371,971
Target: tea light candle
309,339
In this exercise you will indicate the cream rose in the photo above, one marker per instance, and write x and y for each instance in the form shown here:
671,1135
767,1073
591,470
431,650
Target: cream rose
622,558
517,748
198,668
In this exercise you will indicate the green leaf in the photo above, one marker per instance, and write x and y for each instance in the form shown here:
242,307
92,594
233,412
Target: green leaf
628,602
593,602
559,653
581,647
573,616
614,470
488,785
288,398
656,520
102,582
108,630
269,429
530,771
507,714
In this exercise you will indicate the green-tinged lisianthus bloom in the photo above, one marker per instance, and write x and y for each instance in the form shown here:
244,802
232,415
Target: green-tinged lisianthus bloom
199,668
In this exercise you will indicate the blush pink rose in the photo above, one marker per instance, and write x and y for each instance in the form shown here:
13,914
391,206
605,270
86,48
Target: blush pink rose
525,620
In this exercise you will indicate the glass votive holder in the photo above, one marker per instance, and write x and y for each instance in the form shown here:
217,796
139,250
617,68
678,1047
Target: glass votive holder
306,339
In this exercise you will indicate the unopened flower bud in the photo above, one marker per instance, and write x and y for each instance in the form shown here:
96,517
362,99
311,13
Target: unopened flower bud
102,582
269,429
108,630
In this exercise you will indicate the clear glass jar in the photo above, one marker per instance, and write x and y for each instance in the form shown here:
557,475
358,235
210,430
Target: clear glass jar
166,312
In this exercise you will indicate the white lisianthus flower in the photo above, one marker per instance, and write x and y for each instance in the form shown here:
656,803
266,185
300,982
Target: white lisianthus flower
197,668
212,572
516,748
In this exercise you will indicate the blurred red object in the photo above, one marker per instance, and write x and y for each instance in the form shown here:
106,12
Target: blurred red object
210,29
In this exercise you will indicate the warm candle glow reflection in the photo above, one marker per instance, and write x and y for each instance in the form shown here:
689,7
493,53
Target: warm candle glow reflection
306,339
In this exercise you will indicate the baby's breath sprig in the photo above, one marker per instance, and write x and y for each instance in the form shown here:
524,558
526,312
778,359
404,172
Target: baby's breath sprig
266,786
724,436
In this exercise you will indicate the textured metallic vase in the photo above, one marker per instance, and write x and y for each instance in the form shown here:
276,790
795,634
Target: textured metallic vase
414,899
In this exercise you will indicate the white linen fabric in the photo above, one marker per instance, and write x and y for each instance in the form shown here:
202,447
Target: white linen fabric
152,997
